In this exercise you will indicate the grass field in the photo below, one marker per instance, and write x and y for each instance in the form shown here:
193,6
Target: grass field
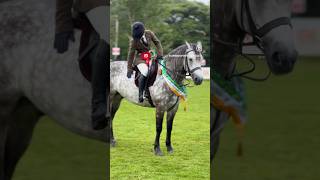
56,153
135,132
282,137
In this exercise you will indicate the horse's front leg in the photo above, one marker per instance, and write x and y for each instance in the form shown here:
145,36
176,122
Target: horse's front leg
170,116
159,120
115,100
3,139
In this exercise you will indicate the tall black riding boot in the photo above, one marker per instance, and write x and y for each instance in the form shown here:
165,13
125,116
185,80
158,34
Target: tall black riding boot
100,86
142,86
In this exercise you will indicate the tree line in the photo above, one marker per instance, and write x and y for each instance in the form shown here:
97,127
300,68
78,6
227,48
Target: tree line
173,21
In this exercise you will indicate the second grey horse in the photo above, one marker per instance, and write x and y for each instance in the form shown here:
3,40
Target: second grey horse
184,59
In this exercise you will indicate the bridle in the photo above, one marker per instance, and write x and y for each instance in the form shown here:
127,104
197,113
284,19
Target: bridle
257,34
187,67
187,70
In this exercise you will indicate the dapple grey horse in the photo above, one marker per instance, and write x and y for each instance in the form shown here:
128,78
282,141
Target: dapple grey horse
268,22
34,80
184,59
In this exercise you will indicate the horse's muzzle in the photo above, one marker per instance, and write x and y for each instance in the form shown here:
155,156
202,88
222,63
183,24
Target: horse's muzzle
283,62
197,80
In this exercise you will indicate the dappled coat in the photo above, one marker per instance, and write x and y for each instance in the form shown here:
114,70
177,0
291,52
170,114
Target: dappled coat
64,11
137,46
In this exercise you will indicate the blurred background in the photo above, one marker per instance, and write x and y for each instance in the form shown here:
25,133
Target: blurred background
173,21
282,137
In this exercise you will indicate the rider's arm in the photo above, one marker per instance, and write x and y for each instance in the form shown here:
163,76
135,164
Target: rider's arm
131,55
157,43
64,16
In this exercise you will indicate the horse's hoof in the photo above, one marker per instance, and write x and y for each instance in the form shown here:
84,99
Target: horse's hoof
158,152
170,150
113,143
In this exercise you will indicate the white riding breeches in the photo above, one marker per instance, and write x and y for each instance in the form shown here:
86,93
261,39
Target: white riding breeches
99,19
143,68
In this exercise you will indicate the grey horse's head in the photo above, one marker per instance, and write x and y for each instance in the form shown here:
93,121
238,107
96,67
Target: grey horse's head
186,59
278,43
193,62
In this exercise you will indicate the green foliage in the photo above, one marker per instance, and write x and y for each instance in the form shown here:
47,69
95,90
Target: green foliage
173,21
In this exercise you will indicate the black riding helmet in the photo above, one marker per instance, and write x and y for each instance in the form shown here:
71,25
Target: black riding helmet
137,30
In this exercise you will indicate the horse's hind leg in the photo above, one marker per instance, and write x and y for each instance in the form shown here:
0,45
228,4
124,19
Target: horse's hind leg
21,125
115,104
159,121
170,116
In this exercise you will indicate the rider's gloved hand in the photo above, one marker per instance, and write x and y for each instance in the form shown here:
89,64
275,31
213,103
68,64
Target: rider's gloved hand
129,73
61,41
159,57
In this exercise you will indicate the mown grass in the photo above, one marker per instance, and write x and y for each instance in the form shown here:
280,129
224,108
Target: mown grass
56,153
134,128
282,137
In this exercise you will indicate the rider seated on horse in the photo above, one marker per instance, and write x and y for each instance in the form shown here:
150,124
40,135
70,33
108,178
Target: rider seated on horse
96,12
141,43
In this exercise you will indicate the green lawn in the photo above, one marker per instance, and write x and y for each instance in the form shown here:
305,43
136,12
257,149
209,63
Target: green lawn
57,154
282,137
134,126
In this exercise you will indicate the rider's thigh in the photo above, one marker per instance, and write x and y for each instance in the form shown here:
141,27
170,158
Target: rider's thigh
143,68
99,19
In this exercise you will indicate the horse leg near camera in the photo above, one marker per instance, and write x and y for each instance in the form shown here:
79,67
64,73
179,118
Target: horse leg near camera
159,120
19,133
170,116
115,104
7,103
3,135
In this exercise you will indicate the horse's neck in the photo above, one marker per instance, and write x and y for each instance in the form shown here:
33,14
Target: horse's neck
226,29
176,74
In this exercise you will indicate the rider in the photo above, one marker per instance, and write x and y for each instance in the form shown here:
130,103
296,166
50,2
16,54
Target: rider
141,43
97,13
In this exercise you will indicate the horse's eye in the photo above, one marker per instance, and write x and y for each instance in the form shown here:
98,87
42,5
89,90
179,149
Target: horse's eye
190,59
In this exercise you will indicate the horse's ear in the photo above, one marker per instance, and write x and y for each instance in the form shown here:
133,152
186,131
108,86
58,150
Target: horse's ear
199,46
188,45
